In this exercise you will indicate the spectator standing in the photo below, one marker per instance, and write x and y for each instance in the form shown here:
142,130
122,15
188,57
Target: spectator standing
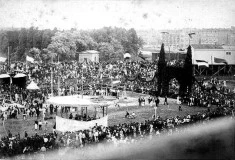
165,101
25,134
157,101
36,125
40,125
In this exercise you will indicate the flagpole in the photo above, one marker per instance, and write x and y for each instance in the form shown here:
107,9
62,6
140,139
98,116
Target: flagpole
52,77
212,65
82,80
8,54
9,68
58,77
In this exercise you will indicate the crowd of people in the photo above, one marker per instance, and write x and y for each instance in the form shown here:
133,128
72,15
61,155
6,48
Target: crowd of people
210,92
68,74
117,134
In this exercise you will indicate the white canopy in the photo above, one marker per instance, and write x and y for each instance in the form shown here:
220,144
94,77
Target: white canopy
127,55
19,75
76,101
32,86
4,76
116,82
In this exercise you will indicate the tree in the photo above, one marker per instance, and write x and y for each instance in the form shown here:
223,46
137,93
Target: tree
3,43
106,50
188,67
161,69
118,49
35,53
22,49
63,44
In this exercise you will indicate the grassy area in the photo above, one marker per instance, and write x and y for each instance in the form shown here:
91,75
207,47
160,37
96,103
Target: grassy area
116,116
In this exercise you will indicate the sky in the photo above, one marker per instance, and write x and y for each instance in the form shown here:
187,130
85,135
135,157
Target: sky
138,14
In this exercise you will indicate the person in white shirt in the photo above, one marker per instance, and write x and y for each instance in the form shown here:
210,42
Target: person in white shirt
40,125
133,115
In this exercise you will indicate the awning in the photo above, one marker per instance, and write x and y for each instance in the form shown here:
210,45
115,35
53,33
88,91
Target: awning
19,75
4,76
127,55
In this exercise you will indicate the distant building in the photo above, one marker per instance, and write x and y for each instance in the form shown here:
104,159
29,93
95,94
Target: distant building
208,52
89,55
179,39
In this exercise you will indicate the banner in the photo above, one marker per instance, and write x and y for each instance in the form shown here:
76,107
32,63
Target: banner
220,60
202,63
64,125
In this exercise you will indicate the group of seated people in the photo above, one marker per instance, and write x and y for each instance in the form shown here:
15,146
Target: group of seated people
83,117
130,116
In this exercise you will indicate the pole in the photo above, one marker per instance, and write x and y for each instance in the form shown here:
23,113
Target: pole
169,53
212,65
52,78
8,54
9,68
58,77
155,110
82,81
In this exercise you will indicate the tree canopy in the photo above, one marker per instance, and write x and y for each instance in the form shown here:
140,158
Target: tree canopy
45,44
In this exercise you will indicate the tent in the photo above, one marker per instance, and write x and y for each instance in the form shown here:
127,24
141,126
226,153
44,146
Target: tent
127,55
19,75
4,76
32,86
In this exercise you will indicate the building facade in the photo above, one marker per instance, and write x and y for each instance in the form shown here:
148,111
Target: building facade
209,52
89,55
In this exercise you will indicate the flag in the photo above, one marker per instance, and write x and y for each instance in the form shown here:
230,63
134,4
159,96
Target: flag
30,59
202,63
220,60
12,66
2,59
142,57
190,35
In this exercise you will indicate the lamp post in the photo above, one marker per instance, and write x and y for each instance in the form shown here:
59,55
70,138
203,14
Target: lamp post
83,67
58,77
163,33
190,36
169,52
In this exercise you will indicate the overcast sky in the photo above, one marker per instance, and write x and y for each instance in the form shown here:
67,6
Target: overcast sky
139,14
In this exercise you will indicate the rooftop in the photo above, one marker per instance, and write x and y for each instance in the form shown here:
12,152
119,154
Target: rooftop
206,46
89,52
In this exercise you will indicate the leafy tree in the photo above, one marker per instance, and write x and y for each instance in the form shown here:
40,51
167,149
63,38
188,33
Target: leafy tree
106,50
22,49
35,53
3,43
63,44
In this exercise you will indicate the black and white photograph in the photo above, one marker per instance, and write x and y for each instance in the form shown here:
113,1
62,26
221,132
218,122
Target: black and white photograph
117,79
